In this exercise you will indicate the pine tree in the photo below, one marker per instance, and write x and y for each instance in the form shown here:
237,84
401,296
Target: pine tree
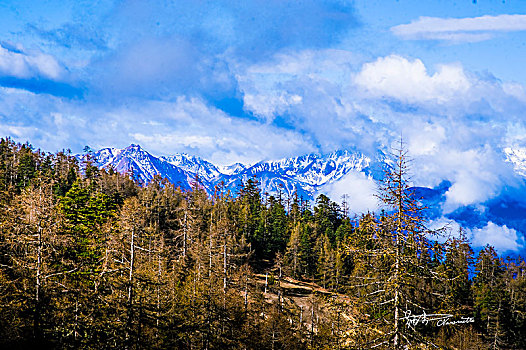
458,265
249,215
292,255
393,276
491,300
516,289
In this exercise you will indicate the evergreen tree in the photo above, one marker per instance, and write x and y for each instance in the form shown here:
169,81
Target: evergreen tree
491,300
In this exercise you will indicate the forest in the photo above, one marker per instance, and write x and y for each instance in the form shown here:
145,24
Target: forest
91,259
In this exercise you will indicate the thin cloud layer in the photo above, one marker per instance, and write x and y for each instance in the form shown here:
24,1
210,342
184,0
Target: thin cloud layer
16,63
459,29
165,50
34,71
186,125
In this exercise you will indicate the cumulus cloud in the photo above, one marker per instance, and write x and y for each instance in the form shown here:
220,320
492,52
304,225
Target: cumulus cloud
360,192
501,237
477,174
310,91
459,29
454,123
408,80
424,138
443,228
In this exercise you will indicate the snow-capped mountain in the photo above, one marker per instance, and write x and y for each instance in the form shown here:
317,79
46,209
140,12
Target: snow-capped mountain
141,165
194,165
305,174
232,169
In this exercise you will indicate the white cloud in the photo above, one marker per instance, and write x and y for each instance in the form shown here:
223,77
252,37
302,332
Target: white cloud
424,138
514,89
466,190
272,104
443,229
311,92
273,87
408,80
500,237
360,190
459,29
20,64
477,173
192,126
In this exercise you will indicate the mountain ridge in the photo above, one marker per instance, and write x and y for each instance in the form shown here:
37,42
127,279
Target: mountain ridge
305,174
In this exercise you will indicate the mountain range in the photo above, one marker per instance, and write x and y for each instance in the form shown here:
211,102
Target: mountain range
310,175
307,175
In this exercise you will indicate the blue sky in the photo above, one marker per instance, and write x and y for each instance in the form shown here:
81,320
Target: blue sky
244,81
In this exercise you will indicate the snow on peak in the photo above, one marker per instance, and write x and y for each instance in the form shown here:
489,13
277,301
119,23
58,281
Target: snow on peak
232,169
193,164
304,174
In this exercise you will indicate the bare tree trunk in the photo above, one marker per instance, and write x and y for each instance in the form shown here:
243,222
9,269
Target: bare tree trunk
396,342
210,249
37,316
38,284
225,266
396,294
185,232
130,287
496,336
158,290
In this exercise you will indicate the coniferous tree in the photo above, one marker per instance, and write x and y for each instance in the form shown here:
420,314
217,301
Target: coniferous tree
393,274
491,300
516,288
